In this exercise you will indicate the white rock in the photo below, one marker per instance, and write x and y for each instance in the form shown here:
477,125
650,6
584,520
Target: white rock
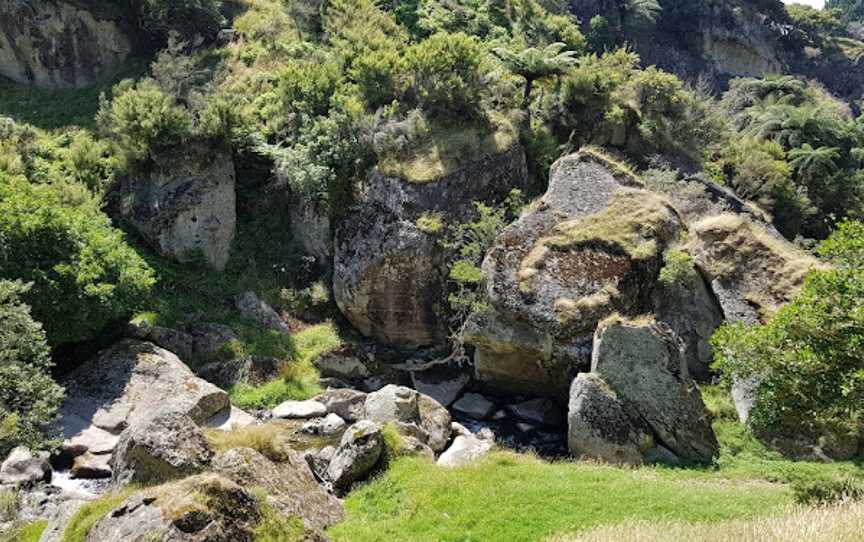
464,450
300,410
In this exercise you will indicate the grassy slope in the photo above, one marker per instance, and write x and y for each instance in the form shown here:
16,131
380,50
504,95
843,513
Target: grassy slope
519,498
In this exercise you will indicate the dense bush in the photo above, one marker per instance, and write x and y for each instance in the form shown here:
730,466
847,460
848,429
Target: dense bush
84,275
446,74
188,18
141,118
809,358
29,398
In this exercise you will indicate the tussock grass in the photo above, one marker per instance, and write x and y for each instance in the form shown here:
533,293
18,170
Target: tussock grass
269,439
840,523
90,513
447,149
31,532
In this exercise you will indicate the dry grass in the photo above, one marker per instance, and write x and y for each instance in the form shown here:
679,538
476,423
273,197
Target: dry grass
447,149
839,523
729,247
620,168
636,221
270,439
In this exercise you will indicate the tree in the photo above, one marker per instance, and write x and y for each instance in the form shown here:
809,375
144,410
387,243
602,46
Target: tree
812,164
535,64
84,274
809,358
29,398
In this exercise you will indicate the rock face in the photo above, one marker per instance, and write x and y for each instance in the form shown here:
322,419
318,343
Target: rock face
639,391
290,485
203,508
167,446
389,276
124,386
253,308
310,228
592,246
184,205
24,468
63,43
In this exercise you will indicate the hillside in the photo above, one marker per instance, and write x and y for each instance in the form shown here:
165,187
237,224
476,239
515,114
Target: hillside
528,270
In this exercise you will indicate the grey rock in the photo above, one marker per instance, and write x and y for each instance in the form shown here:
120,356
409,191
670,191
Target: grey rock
255,370
25,468
209,339
341,366
348,404
600,426
184,206
125,384
167,446
465,449
445,385
644,366
372,384
58,520
175,341
474,406
91,466
435,421
329,425
202,508
253,308
310,228
230,419
356,456
389,276
290,485
319,460
299,410
63,44
538,411
414,413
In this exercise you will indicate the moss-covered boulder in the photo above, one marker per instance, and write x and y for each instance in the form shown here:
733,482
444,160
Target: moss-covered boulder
389,272
592,246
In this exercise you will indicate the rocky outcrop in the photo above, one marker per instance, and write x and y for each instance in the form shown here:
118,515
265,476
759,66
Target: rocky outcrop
291,488
638,399
124,386
590,247
389,276
310,228
203,508
183,205
63,43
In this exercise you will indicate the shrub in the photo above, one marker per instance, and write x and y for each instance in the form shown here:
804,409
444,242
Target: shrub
430,223
828,491
29,398
84,274
446,74
141,118
188,18
381,76
678,269
809,358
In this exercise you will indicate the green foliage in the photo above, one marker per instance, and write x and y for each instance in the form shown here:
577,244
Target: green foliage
678,269
275,527
430,223
32,532
382,76
446,70
816,23
84,274
850,10
822,492
141,118
90,513
188,18
10,504
808,357
29,398
535,64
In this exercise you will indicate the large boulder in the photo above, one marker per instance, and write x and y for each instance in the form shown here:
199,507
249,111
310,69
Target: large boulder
124,385
389,275
411,412
64,43
290,485
166,446
592,246
358,453
24,467
467,448
641,390
183,205
203,508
